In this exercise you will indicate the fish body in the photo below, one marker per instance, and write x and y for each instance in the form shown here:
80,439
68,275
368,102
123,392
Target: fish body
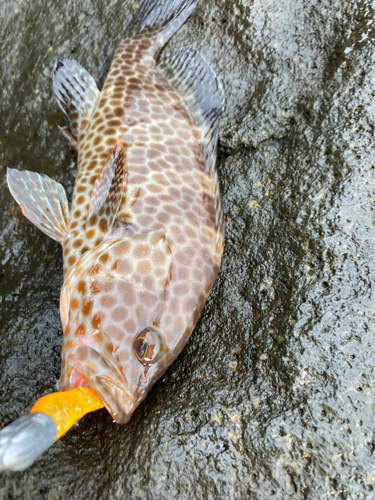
143,239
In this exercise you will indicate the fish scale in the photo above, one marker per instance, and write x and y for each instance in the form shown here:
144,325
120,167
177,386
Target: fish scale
143,240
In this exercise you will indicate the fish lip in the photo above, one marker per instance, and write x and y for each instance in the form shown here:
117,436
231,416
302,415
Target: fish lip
90,342
115,397
108,391
93,365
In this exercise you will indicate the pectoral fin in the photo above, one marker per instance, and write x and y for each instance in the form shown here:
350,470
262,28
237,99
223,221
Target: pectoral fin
108,190
42,200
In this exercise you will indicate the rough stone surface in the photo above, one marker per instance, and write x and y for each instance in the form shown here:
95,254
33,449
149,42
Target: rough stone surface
273,397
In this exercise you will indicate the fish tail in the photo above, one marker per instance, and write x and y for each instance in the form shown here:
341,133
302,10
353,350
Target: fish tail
163,17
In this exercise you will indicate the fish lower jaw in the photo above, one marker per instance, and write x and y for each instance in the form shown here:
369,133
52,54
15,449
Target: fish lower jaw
113,393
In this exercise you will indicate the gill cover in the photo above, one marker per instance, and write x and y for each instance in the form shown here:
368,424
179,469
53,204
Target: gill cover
117,280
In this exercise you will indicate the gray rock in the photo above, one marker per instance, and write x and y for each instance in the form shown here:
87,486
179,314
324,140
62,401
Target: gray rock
273,396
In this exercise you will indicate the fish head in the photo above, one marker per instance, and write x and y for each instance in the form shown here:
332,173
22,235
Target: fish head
114,311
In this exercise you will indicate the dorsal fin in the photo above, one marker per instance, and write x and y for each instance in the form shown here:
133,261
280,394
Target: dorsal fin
108,190
76,93
197,84
42,200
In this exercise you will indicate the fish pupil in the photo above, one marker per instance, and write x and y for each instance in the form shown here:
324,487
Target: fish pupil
140,348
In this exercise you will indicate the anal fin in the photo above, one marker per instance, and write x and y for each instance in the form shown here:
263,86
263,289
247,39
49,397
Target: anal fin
42,200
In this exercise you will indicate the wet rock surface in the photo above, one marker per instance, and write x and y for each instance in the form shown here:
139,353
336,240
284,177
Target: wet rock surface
273,396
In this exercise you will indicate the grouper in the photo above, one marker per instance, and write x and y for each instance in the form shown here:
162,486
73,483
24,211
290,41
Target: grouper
143,238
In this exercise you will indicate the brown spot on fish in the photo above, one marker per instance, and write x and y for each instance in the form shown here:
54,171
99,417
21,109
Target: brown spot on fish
93,219
108,301
141,251
144,267
121,248
119,314
74,304
158,258
79,331
86,307
77,243
103,225
129,326
71,260
95,322
119,111
94,287
148,299
111,141
81,286
95,270
104,258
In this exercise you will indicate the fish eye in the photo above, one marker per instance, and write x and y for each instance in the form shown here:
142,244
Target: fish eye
148,346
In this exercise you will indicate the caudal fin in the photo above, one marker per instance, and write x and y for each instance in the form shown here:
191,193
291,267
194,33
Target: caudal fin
163,17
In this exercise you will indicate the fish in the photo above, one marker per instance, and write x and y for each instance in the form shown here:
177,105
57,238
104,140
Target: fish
143,239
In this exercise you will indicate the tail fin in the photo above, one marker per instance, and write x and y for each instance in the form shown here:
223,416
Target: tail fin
163,17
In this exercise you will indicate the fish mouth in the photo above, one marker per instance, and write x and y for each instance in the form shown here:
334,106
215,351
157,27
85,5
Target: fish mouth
93,366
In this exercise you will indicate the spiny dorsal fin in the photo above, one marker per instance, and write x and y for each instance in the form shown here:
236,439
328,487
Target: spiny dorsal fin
42,200
197,84
108,190
76,93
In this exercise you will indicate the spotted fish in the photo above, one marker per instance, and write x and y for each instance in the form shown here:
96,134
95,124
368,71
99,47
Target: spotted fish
143,239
